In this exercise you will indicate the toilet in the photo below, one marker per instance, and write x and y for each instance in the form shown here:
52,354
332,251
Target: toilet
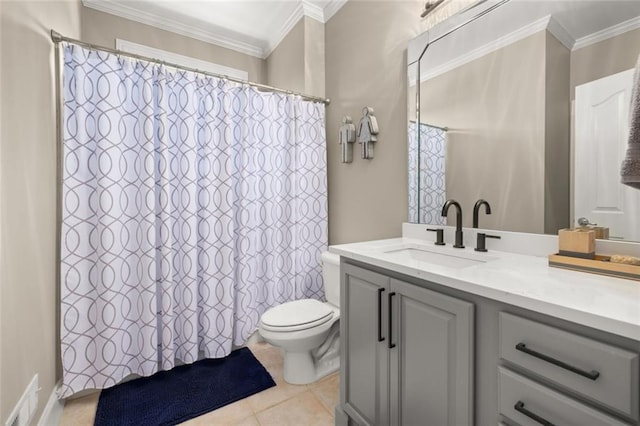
308,330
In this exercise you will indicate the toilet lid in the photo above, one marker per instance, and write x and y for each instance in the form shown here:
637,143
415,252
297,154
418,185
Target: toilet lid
296,315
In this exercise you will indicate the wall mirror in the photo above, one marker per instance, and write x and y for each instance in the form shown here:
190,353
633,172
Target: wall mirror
506,104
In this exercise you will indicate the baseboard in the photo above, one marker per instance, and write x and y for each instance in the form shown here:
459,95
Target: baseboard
53,410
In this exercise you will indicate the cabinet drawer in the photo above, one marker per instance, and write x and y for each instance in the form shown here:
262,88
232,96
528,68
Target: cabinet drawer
522,400
602,373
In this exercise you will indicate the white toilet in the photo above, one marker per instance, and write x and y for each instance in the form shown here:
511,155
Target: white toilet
307,330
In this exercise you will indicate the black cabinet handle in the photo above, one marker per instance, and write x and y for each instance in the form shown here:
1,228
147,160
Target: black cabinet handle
593,374
520,408
390,344
380,337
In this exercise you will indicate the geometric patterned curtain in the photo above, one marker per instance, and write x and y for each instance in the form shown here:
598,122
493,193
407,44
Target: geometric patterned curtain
190,205
426,174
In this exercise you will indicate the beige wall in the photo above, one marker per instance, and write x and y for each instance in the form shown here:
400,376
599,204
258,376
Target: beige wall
365,54
285,65
28,196
495,142
103,29
557,134
607,57
297,63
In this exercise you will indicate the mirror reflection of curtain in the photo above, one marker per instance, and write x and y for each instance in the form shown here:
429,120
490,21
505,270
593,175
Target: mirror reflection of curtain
426,174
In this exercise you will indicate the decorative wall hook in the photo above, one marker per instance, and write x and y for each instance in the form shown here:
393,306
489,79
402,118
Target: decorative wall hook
346,138
367,131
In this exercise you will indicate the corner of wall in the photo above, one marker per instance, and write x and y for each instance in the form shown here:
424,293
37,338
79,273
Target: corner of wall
285,64
314,57
557,135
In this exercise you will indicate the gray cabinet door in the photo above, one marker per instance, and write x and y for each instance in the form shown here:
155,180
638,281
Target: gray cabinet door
364,357
431,365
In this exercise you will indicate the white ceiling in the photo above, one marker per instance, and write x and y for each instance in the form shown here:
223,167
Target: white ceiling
253,27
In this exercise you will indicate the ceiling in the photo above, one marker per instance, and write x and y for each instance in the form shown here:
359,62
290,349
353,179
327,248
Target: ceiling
253,27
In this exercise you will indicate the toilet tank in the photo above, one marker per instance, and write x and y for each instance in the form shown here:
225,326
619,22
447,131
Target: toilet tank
331,277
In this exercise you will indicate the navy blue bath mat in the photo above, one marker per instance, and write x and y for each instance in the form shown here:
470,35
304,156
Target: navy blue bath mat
185,392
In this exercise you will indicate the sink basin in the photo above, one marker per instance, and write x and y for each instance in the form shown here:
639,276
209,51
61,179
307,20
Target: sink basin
447,259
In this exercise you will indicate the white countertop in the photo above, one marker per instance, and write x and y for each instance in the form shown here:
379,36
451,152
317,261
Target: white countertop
604,303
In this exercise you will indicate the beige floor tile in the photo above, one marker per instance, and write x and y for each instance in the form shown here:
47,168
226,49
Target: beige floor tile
249,421
272,358
228,415
328,391
304,409
268,355
272,396
80,411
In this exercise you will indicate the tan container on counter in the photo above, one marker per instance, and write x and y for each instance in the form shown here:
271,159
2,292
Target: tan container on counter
580,242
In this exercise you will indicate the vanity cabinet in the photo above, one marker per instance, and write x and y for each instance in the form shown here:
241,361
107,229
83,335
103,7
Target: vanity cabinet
407,352
417,352
529,403
598,374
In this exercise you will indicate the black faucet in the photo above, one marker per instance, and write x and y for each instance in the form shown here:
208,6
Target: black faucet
481,244
445,208
476,209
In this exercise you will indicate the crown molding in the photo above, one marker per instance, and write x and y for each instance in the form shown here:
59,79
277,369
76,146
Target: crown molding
312,11
616,30
218,38
304,8
517,35
560,33
282,32
332,8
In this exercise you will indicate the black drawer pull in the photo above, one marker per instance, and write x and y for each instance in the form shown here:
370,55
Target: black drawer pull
520,408
593,374
380,336
390,344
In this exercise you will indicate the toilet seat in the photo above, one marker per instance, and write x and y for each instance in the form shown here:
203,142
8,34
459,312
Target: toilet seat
297,315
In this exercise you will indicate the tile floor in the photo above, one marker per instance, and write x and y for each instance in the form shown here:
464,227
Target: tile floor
281,405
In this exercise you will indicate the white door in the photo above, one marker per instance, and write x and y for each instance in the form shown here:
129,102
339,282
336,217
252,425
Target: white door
601,136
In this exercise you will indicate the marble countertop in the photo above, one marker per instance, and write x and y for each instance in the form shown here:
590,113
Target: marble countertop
604,303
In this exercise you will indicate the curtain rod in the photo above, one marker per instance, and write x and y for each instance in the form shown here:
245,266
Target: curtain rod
56,37
444,129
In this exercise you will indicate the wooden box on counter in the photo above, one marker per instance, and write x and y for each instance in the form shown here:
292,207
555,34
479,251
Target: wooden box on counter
579,243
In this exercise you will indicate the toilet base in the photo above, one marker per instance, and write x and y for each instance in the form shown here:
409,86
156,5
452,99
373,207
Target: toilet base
299,368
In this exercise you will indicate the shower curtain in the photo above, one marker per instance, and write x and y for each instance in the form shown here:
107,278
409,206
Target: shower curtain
190,205
426,174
